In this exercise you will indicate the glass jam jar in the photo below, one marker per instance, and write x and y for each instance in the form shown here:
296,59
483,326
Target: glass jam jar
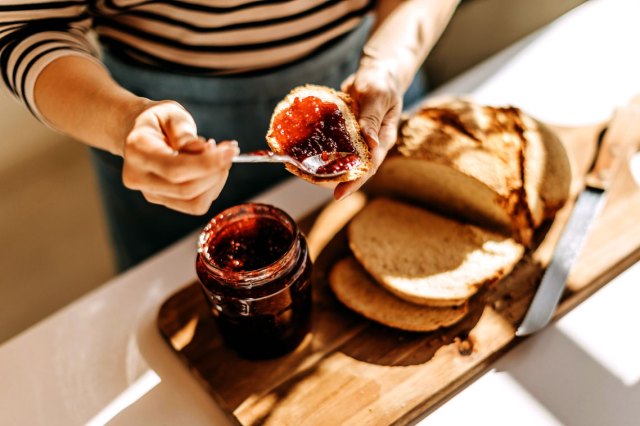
255,271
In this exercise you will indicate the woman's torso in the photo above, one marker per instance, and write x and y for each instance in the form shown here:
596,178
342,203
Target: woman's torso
222,36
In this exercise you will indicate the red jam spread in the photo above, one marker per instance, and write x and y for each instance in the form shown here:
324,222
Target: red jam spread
311,126
249,244
341,164
255,271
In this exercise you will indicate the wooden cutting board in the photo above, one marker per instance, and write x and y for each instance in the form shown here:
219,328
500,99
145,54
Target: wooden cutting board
354,371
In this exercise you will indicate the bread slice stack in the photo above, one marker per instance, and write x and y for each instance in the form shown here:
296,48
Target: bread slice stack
455,204
315,126
354,287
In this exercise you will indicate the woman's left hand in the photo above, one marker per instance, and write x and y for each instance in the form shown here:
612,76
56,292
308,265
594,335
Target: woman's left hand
379,102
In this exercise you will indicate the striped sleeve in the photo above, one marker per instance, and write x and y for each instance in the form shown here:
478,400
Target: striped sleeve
33,33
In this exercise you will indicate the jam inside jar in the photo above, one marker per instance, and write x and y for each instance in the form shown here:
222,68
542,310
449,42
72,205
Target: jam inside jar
255,271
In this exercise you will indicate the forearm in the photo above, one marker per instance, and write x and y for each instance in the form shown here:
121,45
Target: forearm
78,97
404,35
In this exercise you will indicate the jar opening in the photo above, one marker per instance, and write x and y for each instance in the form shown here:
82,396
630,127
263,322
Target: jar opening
249,243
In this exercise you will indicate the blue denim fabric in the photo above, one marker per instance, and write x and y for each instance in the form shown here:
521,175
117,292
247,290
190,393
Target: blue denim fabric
223,108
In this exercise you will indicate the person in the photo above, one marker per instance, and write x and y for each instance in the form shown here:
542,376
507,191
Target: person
173,72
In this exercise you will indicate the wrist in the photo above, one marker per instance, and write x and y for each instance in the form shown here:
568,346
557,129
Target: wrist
127,109
76,96
399,67
392,69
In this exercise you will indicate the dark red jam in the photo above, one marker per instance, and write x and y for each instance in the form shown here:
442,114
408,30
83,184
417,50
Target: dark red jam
311,126
341,164
251,243
255,271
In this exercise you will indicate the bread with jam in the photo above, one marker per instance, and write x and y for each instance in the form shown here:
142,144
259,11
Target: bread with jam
312,120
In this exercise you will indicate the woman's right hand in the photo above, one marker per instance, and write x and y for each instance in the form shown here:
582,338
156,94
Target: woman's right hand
169,164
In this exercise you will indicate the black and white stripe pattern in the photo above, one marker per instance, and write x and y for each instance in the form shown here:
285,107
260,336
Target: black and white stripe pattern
212,37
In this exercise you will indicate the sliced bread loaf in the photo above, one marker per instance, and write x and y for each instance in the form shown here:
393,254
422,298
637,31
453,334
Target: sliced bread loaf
312,120
356,290
492,166
426,258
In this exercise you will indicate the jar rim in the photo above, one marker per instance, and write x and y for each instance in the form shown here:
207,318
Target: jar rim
255,277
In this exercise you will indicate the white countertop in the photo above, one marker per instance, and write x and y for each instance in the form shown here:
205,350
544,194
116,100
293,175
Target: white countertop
101,358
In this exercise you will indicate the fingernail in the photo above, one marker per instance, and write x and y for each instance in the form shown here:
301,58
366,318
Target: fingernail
231,151
234,147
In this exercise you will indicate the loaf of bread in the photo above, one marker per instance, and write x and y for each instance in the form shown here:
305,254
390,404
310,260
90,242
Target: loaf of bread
454,205
312,120
496,167
425,258
356,290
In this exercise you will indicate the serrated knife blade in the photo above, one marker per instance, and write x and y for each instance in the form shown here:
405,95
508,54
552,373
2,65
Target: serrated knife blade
553,282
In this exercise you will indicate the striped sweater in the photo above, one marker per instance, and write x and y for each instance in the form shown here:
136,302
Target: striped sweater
210,37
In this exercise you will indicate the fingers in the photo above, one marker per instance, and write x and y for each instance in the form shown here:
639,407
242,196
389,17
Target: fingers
344,189
192,196
176,124
370,121
155,145
151,183
379,102
372,109
347,83
377,99
143,156
387,137
196,206
166,160
196,146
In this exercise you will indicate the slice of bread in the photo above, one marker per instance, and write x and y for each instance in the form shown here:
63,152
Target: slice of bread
346,108
496,167
356,290
426,258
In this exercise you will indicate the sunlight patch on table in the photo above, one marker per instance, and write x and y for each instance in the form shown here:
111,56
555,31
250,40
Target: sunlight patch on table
514,402
126,398
606,326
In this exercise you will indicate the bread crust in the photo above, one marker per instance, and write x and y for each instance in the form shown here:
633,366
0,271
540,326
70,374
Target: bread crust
360,293
516,158
516,169
348,108
425,258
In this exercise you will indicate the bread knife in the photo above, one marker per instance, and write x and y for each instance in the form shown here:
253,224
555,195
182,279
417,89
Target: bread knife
617,143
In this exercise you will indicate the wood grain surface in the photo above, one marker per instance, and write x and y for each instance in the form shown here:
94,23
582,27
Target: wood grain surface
353,371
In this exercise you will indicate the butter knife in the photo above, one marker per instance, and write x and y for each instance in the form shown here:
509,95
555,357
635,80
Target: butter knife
615,147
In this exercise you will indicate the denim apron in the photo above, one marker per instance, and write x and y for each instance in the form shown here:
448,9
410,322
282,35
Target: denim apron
223,108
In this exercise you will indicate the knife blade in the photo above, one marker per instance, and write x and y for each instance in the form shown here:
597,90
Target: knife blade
616,145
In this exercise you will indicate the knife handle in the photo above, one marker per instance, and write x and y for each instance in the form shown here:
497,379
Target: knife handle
620,141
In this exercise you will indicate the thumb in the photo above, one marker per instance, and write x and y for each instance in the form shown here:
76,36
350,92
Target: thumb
178,126
370,121
348,83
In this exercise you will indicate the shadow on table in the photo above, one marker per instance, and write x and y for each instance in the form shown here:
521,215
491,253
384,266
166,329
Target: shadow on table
573,386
